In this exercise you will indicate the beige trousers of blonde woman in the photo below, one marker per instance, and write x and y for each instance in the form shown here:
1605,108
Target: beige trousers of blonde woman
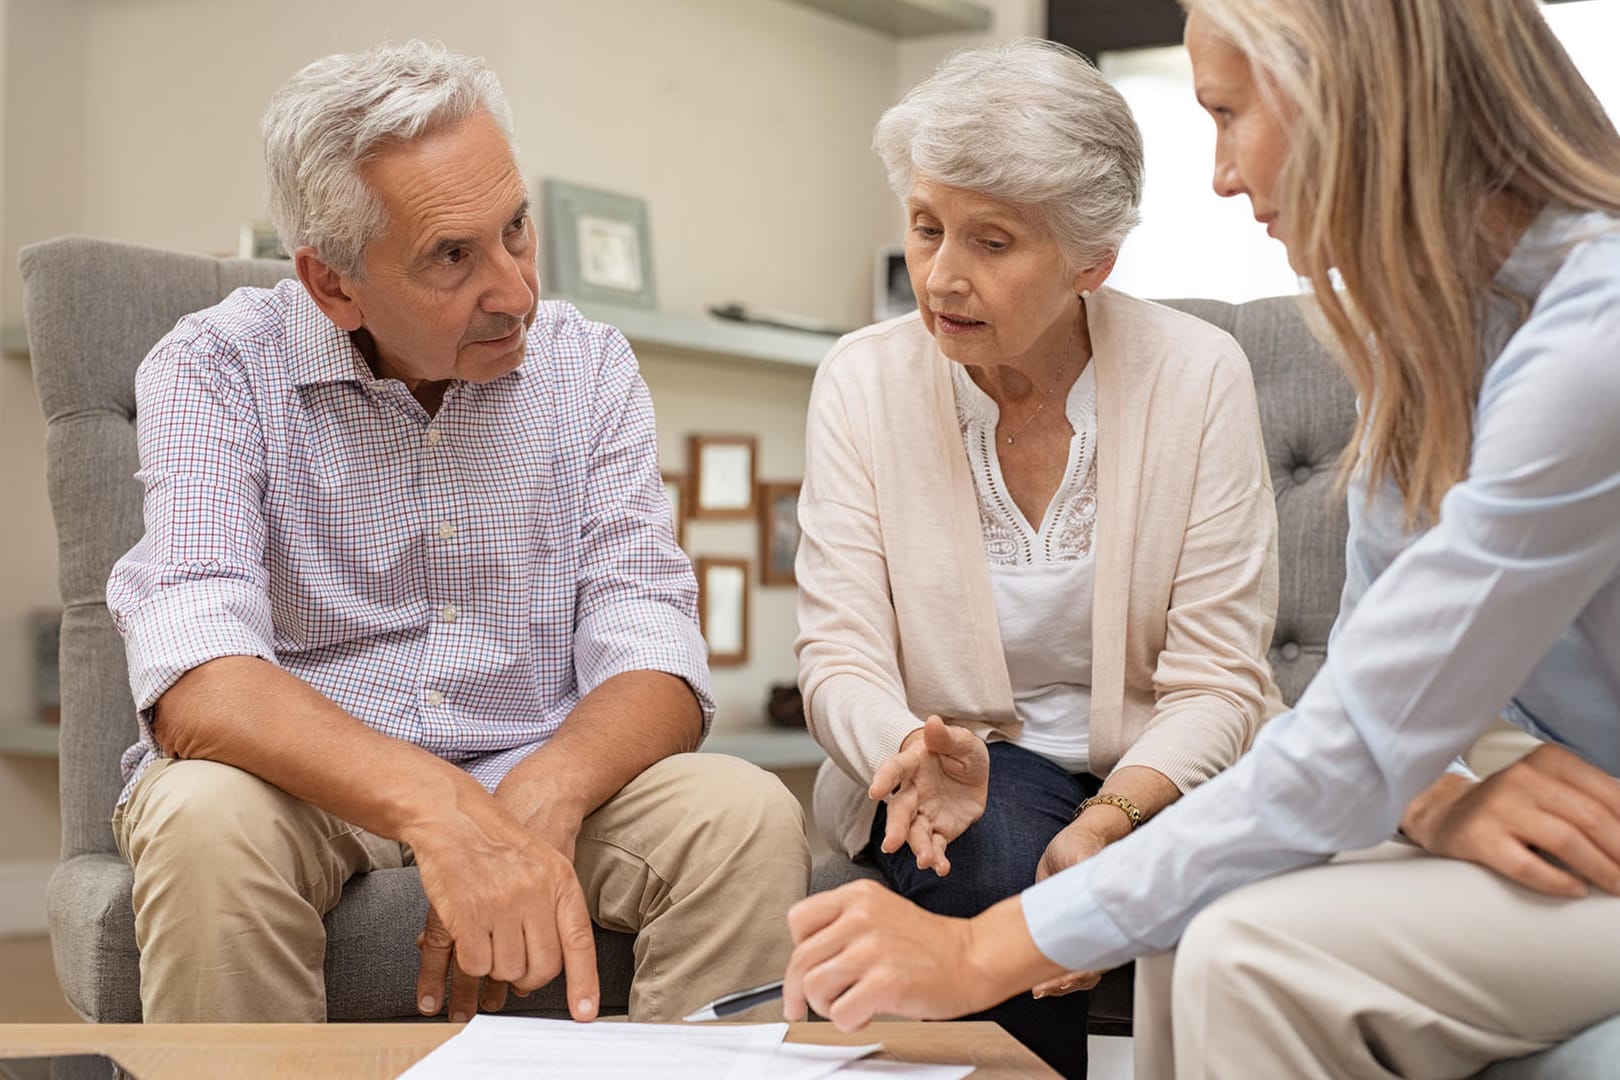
1383,963
700,856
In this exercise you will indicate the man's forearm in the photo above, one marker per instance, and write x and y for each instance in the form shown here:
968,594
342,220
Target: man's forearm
242,711
614,734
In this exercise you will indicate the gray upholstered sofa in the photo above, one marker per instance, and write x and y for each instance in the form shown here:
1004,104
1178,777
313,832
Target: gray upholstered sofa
94,309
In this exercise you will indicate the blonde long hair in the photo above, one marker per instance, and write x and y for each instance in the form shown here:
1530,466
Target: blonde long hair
1409,122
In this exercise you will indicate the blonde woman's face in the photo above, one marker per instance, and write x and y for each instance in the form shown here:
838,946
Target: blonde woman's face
1250,139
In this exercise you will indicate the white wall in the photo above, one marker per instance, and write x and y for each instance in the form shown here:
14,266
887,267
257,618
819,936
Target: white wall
745,124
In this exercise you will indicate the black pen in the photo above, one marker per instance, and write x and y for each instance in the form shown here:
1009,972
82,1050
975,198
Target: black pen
741,1001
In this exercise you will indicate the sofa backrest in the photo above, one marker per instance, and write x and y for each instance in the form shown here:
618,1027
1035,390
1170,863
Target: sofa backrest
1307,411
94,309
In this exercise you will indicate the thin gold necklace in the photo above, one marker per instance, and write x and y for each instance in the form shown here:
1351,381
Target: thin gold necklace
1044,399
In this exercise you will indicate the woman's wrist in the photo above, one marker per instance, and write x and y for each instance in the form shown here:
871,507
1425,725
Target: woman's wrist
1429,806
1002,957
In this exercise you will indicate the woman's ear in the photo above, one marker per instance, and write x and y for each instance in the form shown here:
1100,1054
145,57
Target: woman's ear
1090,279
329,289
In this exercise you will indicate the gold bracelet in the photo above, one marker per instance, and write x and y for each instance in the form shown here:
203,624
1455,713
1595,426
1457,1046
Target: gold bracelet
1119,802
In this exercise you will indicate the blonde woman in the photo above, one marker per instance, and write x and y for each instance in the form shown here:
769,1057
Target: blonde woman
1445,165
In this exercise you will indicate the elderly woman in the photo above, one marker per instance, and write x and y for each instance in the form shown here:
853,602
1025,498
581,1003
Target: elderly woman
1038,574
1450,187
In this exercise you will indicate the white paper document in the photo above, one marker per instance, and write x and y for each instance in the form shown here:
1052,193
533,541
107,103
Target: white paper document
508,1047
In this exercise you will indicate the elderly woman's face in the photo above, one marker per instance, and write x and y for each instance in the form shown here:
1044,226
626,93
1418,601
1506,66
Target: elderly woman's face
1250,140
992,287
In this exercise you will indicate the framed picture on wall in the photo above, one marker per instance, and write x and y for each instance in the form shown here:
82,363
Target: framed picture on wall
723,609
675,492
891,285
778,533
598,246
722,476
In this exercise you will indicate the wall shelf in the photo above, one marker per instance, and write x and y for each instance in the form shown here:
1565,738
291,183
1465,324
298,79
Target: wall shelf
718,338
769,748
908,18
708,337
29,739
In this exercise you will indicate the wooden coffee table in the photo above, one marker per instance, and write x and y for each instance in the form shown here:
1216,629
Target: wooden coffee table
383,1051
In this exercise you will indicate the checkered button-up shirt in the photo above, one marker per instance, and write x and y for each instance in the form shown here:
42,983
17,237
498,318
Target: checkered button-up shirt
458,581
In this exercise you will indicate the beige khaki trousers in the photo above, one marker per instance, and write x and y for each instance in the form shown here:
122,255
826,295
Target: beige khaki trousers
700,857
1384,963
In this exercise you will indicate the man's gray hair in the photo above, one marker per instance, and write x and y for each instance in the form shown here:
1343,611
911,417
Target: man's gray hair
1030,122
337,113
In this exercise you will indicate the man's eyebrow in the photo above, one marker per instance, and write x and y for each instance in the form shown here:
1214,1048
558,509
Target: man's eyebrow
446,244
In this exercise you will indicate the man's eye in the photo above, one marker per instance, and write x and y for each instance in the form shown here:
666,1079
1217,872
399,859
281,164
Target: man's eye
453,256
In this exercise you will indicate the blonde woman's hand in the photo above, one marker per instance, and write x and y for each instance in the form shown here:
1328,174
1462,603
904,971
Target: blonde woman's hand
935,787
1549,802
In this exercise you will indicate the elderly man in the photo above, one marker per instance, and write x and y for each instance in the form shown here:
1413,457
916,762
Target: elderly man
408,592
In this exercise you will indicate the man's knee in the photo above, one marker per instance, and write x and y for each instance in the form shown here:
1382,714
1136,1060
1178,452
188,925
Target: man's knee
738,806
200,826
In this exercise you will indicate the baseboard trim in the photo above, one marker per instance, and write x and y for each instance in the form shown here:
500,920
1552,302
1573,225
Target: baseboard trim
22,896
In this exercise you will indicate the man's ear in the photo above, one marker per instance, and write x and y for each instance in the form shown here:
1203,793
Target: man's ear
329,289
1091,278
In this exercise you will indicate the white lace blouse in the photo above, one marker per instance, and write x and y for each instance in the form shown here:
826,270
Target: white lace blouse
1042,577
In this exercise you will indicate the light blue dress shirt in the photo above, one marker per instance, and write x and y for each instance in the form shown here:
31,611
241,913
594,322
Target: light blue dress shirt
1509,606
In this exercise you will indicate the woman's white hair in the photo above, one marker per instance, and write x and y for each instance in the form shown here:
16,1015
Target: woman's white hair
1030,122
336,113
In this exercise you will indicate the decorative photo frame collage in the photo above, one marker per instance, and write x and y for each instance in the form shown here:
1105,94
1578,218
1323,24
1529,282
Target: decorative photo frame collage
722,484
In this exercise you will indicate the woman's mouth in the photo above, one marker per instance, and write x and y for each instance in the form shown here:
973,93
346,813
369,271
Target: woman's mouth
955,324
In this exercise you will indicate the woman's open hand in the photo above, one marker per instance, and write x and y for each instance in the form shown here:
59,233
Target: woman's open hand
935,788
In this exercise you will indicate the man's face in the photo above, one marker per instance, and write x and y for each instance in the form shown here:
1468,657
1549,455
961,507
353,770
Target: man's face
450,287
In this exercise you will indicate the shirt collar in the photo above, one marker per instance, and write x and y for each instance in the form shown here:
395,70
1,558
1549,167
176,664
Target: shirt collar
1544,245
318,351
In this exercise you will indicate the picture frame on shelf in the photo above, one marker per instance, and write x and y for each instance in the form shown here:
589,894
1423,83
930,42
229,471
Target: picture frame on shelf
723,609
778,532
259,240
598,246
675,492
891,285
722,473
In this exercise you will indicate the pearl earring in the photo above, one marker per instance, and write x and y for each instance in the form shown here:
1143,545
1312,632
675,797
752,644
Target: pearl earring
1085,294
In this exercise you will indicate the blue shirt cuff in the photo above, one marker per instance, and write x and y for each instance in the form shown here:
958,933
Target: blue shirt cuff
1069,926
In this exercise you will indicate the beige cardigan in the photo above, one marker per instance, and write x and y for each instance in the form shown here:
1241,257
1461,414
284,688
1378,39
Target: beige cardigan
896,616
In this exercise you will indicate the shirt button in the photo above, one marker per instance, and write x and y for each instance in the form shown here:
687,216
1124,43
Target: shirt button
433,436
1302,473
448,612
446,530
1290,651
434,698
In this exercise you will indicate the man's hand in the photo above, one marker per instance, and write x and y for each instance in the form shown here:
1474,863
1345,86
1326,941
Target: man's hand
1076,843
935,788
506,907
862,950
1548,802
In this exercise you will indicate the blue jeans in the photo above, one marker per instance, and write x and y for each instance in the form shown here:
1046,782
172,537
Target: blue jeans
1030,801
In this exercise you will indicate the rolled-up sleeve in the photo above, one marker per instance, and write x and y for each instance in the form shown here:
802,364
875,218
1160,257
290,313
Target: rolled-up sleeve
637,600
195,587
